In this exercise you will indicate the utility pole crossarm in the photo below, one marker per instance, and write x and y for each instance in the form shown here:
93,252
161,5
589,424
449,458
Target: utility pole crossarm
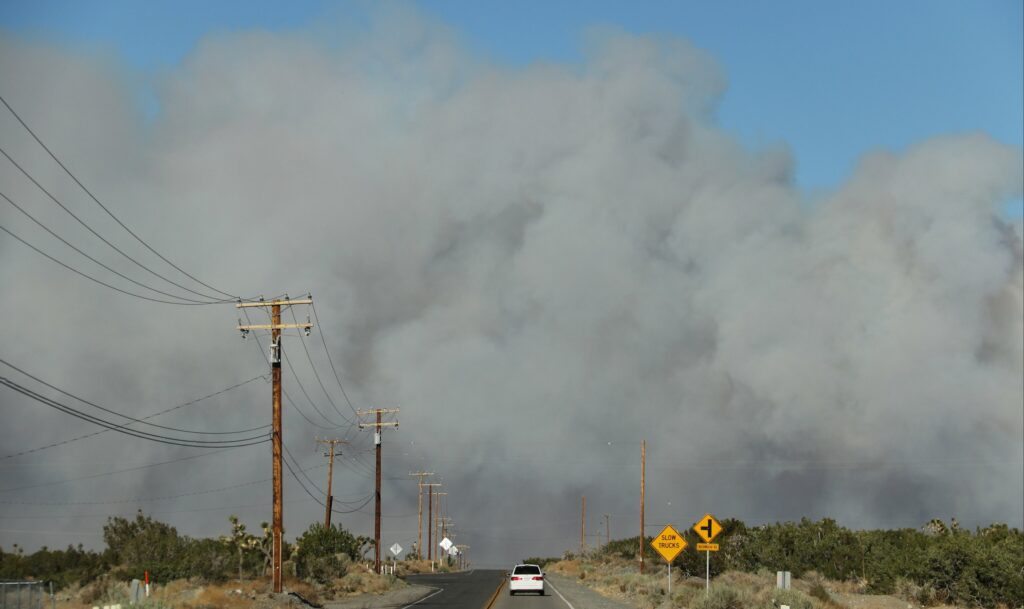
384,424
304,326
271,303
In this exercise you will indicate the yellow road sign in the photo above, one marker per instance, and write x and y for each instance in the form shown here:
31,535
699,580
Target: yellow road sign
707,547
707,527
669,543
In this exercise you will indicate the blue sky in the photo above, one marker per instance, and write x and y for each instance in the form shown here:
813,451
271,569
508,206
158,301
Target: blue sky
831,79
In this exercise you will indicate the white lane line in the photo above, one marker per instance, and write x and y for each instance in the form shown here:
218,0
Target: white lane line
560,596
439,591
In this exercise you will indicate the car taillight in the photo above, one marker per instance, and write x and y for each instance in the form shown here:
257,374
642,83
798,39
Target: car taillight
539,578
514,578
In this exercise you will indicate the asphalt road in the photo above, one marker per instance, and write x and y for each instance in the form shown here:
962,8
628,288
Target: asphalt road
524,600
469,590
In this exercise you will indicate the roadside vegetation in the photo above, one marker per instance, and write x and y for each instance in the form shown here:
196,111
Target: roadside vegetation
940,564
322,564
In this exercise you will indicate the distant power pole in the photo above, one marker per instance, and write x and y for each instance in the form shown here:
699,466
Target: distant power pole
643,488
437,522
607,529
330,477
419,520
275,326
446,533
430,518
378,428
583,527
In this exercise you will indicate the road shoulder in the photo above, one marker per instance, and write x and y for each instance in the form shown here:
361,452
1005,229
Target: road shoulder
389,600
580,597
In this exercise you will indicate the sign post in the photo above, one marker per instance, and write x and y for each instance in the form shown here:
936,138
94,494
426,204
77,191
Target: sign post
708,528
669,543
395,551
446,545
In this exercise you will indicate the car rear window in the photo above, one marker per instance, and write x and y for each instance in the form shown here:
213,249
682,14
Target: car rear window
526,570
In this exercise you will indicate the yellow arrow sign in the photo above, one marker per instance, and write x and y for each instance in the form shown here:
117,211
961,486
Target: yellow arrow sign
708,528
669,543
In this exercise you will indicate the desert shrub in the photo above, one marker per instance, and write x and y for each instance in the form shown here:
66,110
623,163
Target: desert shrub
795,599
819,592
105,590
722,597
685,596
325,553
540,562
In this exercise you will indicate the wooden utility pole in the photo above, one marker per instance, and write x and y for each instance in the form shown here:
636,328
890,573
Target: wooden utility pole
430,517
643,488
275,326
430,524
437,523
607,529
330,477
583,527
419,510
378,427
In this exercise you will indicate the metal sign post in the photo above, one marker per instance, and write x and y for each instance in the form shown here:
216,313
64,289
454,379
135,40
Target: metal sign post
669,543
708,528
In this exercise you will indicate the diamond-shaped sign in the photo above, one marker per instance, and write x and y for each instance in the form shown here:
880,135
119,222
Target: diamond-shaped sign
669,543
446,544
396,549
708,528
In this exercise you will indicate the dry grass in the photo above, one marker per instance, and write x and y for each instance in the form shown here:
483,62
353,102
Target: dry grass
618,579
249,594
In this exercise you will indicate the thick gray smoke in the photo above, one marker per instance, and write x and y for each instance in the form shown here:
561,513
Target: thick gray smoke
541,266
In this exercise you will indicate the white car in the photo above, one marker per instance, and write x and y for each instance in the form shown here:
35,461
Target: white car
526,578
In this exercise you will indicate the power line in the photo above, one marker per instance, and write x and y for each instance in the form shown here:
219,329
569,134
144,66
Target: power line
145,499
132,419
317,374
137,499
97,262
111,473
101,237
155,414
314,484
131,432
104,207
259,346
302,388
314,497
331,360
93,279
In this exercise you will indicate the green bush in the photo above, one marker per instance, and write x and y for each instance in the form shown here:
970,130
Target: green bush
722,597
325,553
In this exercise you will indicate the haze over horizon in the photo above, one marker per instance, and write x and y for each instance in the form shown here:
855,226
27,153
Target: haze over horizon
541,264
